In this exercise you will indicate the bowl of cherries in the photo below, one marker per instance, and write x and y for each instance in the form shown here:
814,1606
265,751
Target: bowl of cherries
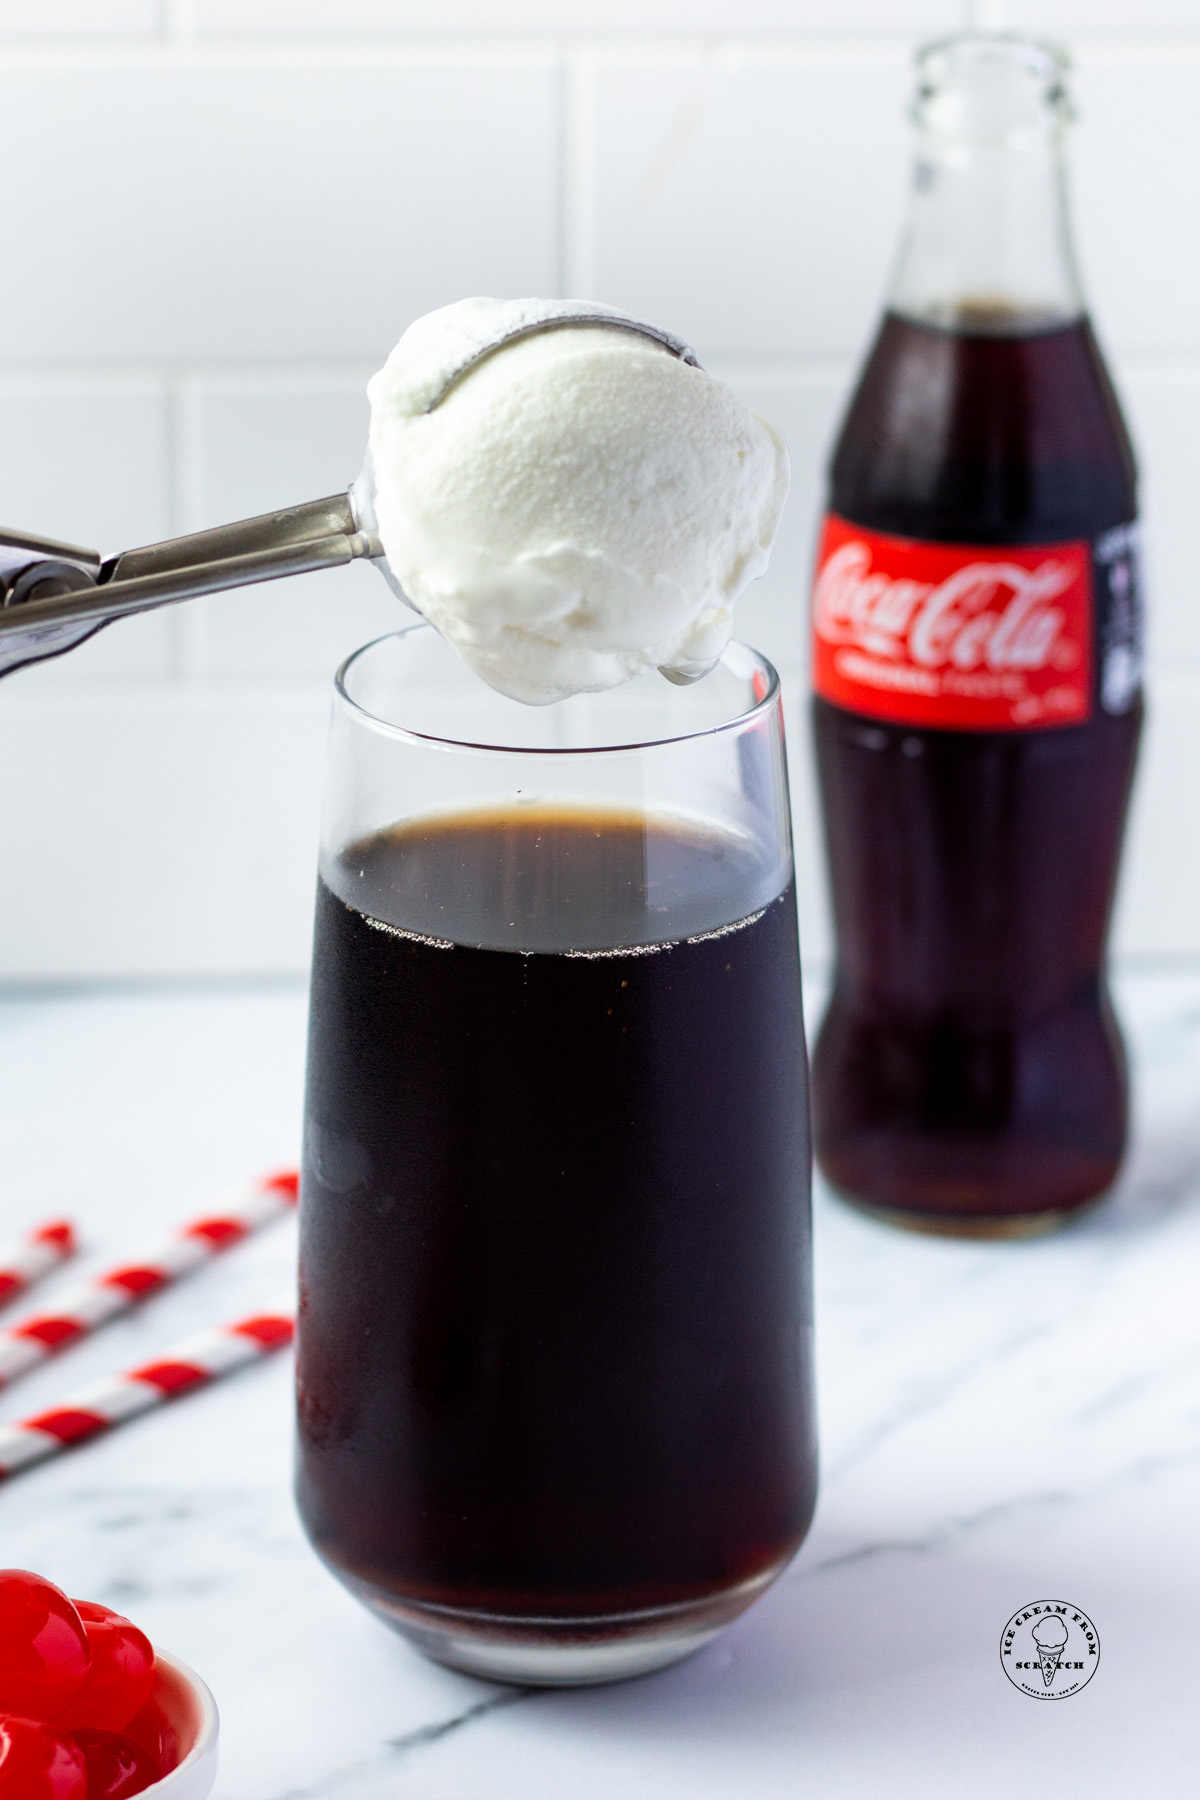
89,1710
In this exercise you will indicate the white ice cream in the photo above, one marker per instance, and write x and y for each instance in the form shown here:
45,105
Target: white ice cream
581,507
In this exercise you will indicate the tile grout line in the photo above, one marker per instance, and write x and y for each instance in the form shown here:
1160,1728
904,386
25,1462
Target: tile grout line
177,39
577,176
256,375
562,224
176,20
185,511
986,15
177,42
333,375
245,374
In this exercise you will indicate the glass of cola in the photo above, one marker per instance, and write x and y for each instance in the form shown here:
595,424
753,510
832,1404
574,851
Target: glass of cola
555,1412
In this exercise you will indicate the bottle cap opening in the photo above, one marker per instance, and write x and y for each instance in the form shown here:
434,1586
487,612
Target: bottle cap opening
985,86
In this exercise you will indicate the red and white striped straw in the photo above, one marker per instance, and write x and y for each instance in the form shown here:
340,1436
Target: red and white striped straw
34,1255
186,1365
29,1342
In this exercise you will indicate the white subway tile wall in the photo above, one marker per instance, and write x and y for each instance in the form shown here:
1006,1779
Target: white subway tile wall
262,442
85,20
219,214
569,18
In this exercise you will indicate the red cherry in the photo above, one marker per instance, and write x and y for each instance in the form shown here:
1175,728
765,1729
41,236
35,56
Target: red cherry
119,1681
44,1653
116,1766
39,1763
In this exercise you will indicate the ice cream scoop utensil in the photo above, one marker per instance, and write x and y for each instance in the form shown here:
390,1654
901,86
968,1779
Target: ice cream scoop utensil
50,605
54,595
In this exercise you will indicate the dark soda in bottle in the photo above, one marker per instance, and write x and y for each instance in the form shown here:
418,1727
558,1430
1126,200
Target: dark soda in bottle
977,672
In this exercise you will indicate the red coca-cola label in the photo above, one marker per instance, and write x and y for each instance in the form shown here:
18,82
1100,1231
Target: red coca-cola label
971,637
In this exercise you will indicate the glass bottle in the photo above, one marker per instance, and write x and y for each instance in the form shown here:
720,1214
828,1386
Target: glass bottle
977,674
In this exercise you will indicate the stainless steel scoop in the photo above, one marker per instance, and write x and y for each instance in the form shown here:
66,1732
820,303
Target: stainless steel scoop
55,595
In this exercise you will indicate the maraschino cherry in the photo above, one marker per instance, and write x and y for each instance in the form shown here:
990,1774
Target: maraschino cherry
39,1763
117,1767
121,1675
73,1676
45,1656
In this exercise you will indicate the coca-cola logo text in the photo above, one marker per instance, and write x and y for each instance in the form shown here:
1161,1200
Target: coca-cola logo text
953,635
985,615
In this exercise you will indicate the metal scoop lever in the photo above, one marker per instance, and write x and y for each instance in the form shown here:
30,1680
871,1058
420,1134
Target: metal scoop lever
53,605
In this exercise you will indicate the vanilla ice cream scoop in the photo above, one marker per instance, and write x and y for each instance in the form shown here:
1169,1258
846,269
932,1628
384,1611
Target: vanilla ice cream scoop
581,506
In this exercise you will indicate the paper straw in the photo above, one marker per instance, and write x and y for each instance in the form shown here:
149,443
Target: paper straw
34,1255
186,1365
24,1345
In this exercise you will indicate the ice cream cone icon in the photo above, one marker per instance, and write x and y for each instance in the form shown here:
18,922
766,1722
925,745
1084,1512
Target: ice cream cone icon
1050,1637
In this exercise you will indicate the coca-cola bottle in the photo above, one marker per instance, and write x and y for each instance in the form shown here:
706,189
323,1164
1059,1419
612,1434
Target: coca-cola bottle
977,667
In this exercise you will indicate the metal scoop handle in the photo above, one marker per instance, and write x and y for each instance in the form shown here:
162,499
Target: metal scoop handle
58,601
319,535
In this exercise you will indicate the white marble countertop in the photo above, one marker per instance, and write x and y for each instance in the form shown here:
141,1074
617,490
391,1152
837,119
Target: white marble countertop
999,1424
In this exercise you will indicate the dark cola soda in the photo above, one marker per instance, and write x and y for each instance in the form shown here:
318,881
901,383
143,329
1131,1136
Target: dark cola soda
554,1322
977,660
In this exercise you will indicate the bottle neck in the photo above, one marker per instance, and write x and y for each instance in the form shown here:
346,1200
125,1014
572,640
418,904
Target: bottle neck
987,247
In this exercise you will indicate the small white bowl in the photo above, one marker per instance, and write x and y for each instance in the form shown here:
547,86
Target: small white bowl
178,1725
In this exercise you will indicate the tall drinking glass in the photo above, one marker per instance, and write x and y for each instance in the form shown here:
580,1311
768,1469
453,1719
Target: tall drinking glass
555,1403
